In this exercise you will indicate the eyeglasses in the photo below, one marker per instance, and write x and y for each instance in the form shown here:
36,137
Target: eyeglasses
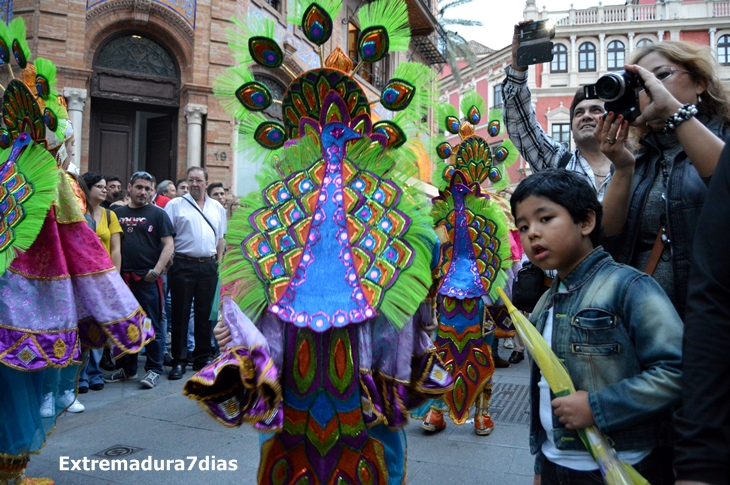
665,72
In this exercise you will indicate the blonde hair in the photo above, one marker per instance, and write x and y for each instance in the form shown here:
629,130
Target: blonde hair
703,68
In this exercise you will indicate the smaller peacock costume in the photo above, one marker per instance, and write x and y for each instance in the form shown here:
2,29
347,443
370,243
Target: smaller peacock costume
59,291
476,258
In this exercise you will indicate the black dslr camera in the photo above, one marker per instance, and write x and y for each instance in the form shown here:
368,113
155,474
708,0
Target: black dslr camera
620,91
535,46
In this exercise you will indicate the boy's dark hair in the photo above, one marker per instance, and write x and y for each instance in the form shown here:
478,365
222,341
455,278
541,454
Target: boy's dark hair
566,188
113,178
212,186
181,181
579,96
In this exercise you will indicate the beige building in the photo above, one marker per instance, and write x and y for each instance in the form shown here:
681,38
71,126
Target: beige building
137,76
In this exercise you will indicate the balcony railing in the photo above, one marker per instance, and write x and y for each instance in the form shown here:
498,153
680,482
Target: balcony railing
607,14
432,47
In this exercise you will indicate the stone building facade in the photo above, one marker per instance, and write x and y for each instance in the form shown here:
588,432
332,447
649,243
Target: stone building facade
589,43
138,75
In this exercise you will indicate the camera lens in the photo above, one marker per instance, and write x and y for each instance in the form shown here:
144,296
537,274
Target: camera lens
610,87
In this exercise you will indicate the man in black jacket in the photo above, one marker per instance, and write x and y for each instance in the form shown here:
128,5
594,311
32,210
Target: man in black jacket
702,452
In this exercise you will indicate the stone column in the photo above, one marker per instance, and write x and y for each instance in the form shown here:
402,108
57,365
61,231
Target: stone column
75,100
194,114
573,69
713,44
631,45
660,35
602,52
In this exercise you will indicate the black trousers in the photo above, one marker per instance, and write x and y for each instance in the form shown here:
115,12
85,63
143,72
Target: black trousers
187,280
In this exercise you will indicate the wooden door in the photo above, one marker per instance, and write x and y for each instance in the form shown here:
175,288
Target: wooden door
111,145
158,152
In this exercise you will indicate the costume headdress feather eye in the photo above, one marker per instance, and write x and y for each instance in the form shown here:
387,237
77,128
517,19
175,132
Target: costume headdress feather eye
254,42
18,42
448,118
385,28
473,107
45,78
5,43
55,117
315,17
411,90
239,93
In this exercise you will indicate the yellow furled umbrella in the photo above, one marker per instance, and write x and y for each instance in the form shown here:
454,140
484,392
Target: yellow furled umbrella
614,471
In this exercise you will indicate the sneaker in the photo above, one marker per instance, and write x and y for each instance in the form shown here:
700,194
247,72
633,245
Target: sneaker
119,376
483,424
150,379
48,407
434,421
69,402
509,343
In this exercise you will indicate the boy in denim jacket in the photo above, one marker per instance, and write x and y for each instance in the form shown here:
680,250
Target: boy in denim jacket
612,326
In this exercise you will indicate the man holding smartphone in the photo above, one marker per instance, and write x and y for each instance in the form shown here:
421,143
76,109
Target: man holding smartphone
537,147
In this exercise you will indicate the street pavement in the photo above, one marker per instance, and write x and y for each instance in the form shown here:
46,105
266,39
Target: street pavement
124,421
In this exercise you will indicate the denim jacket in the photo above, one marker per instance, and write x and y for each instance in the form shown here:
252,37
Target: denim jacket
620,338
686,192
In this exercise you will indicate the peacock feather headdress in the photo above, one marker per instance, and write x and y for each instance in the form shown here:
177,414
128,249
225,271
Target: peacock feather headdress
336,233
473,155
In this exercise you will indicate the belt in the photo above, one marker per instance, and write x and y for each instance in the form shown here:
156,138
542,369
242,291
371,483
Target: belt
191,258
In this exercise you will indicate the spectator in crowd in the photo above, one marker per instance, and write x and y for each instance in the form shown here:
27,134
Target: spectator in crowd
703,422
612,327
199,224
182,187
537,147
113,189
653,204
123,199
167,188
104,222
146,249
217,192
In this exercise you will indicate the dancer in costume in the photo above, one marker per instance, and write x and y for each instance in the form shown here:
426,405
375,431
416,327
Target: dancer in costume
331,261
60,293
475,259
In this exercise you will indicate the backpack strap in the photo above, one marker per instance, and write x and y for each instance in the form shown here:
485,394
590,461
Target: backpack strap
565,159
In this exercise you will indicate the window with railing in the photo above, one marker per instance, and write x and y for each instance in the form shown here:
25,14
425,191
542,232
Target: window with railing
560,59
723,50
276,4
616,55
376,73
497,99
587,57
561,133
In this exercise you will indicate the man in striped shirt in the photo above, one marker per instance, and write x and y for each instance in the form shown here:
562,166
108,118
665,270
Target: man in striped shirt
537,147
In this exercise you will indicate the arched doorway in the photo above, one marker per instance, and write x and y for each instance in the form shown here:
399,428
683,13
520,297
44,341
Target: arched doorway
135,99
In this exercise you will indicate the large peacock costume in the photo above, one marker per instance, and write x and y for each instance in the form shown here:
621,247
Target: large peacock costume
330,261
60,293
476,258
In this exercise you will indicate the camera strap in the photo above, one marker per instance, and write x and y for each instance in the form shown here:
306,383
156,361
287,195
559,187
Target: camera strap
657,250
565,159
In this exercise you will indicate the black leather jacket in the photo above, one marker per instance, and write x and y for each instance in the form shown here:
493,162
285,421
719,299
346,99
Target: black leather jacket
686,192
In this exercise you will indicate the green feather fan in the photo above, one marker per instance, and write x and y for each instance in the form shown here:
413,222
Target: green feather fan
411,90
385,28
262,31
495,117
38,169
248,143
18,43
46,80
503,157
473,107
332,7
316,18
55,118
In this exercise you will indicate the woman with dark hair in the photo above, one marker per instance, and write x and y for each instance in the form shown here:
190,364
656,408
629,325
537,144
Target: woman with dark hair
653,203
106,223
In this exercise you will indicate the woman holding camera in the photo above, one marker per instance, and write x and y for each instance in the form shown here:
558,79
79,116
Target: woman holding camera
652,205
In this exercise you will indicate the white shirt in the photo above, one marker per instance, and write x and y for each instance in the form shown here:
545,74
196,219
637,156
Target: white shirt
575,460
194,237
